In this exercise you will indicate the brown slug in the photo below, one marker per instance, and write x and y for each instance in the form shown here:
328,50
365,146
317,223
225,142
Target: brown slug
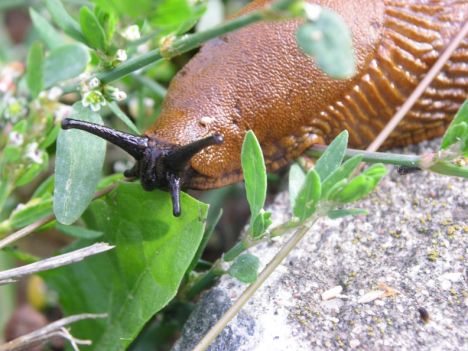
257,78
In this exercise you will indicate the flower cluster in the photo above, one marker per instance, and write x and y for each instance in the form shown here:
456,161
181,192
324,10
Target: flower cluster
95,96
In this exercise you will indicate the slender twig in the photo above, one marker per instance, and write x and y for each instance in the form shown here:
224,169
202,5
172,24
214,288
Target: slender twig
53,262
247,294
422,86
25,231
25,342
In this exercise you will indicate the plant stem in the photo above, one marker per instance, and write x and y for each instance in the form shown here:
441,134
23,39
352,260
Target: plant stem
247,294
412,161
191,41
372,157
205,281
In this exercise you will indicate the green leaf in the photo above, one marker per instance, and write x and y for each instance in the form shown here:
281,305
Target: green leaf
360,186
65,62
308,197
33,170
46,188
458,130
78,232
64,20
128,8
141,274
296,180
176,16
46,32
26,214
332,157
343,172
245,268
34,74
346,212
328,39
254,170
260,224
92,30
78,166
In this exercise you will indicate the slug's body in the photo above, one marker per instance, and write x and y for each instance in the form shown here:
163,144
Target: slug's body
257,79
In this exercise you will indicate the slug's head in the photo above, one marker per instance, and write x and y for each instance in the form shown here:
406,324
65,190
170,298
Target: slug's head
159,165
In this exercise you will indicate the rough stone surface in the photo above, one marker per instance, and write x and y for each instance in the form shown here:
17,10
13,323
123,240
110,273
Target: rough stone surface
409,253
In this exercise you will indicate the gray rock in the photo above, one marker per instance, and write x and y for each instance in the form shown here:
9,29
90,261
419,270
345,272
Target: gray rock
409,253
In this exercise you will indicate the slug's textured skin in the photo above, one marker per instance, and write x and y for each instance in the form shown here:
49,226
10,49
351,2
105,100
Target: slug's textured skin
257,78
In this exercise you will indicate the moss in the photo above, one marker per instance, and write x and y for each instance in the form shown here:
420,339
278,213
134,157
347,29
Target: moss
433,255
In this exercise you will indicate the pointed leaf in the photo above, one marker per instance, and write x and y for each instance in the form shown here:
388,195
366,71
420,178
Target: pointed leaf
34,74
307,199
64,20
296,180
458,130
253,167
343,172
332,157
45,30
78,166
92,30
78,232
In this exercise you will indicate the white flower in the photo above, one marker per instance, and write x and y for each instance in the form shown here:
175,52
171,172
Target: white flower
33,153
94,83
148,102
54,93
16,139
15,109
119,95
131,33
121,55
94,99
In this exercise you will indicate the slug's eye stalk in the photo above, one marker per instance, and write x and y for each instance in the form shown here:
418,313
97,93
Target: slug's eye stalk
159,165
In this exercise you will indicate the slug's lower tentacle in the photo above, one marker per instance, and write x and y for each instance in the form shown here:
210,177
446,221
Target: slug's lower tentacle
174,189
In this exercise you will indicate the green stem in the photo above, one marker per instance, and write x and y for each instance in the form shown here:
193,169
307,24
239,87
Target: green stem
447,168
191,41
235,251
372,157
205,281
155,87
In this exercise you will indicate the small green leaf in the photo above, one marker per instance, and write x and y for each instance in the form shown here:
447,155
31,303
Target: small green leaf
245,268
46,188
332,157
360,186
65,62
78,232
33,170
260,224
78,166
308,197
92,30
346,212
108,21
253,167
176,16
458,130
296,180
30,212
47,33
343,172
328,39
64,20
34,74
356,189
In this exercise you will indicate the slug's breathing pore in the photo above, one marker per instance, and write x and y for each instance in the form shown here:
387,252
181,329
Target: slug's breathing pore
159,165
